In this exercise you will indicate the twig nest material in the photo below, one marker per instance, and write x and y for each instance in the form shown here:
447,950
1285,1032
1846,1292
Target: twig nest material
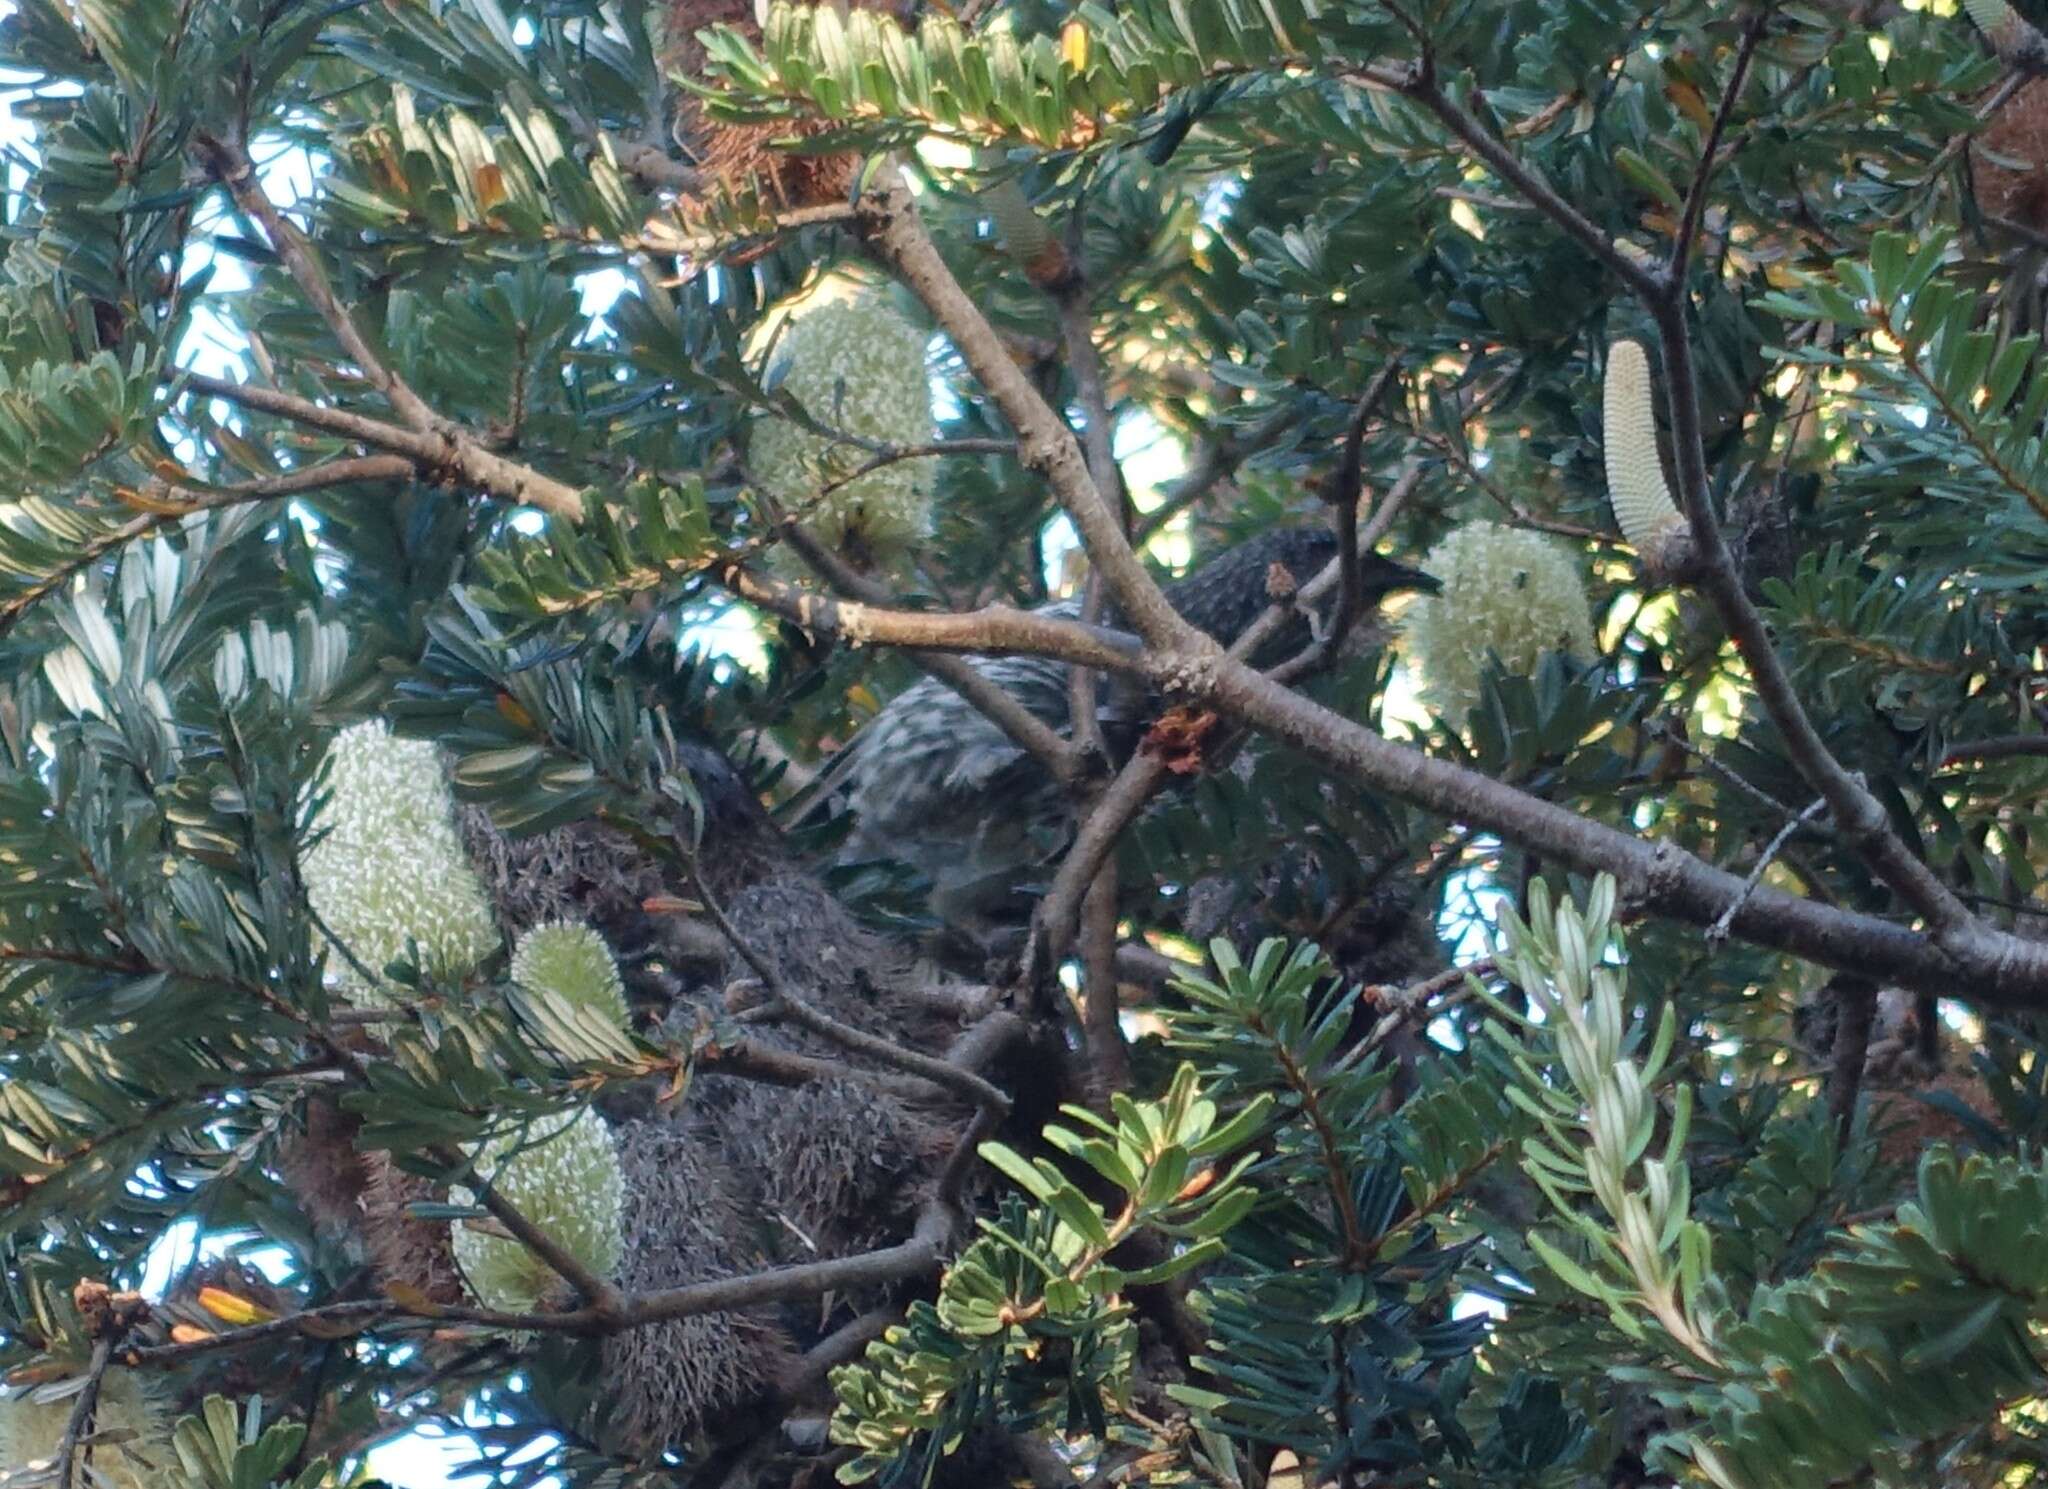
388,868
857,368
561,1173
573,963
130,1440
1506,593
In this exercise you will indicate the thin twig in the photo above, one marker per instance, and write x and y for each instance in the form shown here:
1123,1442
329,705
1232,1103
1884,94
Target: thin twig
2005,747
80,1421
183,503
1344,499
1703,175
1420,84
1717,933
787,1004
1855,1006
1109,1066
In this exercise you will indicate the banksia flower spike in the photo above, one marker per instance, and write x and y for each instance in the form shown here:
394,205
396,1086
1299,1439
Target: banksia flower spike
1505,593
131,1435
562,1173
574,963
856,367
390,868
1649,518
1025,236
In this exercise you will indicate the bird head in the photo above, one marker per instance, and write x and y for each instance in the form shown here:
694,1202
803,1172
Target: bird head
1379,577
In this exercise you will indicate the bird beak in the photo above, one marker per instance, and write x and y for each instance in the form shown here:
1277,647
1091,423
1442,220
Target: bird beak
1402,577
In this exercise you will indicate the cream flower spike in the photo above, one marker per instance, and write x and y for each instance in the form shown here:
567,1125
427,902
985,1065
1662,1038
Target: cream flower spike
1025,236
1649,518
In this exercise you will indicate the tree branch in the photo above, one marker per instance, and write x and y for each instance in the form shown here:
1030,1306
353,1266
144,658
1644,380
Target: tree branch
1420,85
941,1073
993,630
1022,727
1857,814
82,1412
458,450
184,502
1703,174
889,221
1662,878
2005,747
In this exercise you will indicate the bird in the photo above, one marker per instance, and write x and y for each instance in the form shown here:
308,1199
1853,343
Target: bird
933,782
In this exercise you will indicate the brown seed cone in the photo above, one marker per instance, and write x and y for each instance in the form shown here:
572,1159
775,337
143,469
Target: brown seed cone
1908,1125
361,1198
2018,132
683,1226
405,1251
321,1167
736,156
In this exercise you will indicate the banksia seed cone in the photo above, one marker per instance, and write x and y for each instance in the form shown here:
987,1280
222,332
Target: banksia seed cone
740,157
1649,518
131,1438
2009,163
683,1226
562,1173
1506,592
857,367
390,868
573,963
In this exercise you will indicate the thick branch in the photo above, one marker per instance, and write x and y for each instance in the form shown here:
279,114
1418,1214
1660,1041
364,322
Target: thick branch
993,630
432,456
1659,877
1987,966
1022,727
890,222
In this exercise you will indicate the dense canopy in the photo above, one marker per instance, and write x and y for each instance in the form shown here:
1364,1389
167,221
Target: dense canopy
1189,742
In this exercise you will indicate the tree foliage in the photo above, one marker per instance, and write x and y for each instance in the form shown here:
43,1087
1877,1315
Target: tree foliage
1276,1065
